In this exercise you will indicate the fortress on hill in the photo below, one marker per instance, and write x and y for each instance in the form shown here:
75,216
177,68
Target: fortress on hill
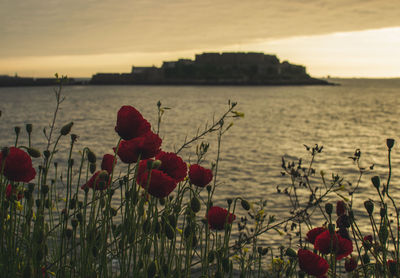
230,68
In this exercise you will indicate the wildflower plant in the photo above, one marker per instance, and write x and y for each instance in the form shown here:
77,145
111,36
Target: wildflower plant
143,211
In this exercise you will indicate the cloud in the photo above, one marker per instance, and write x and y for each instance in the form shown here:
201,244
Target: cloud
75,27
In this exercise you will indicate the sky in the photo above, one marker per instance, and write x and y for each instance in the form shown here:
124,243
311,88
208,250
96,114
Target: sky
343,38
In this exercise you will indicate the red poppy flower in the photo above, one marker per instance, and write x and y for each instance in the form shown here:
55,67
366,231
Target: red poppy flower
130,123
340,208
350,264
160,184
327,243
147,146
107,163
172,165
217,217
199,176
17,165
311,263
313,233
12,191
97,181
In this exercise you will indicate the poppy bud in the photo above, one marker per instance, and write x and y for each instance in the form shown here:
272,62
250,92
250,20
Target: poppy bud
172,220
291,253
369,206
169,231
28,128
195,205
33,152
162,201
383,234
72,203
156,164
17,130
66,129
46,153
151,270
91,156
229,201
68,233
382,212
389,143
92,168
245,204
208,188
376,181
328,208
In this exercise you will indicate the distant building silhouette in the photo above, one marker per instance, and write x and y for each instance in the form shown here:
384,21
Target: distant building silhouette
228,68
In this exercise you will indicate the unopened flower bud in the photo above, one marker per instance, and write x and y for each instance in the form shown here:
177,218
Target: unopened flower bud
291,253
33,152
17,130
66,129
74,137
376,181
156,164
382,212
169,231
369,206
46,153
245,204
208,188
229,201
195,205
389,143
328,208
28,128
162,201
91,156
92,168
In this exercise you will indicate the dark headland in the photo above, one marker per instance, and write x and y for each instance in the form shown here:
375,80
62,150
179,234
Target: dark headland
228,68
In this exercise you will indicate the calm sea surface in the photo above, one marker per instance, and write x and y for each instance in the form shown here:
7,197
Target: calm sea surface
359,114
